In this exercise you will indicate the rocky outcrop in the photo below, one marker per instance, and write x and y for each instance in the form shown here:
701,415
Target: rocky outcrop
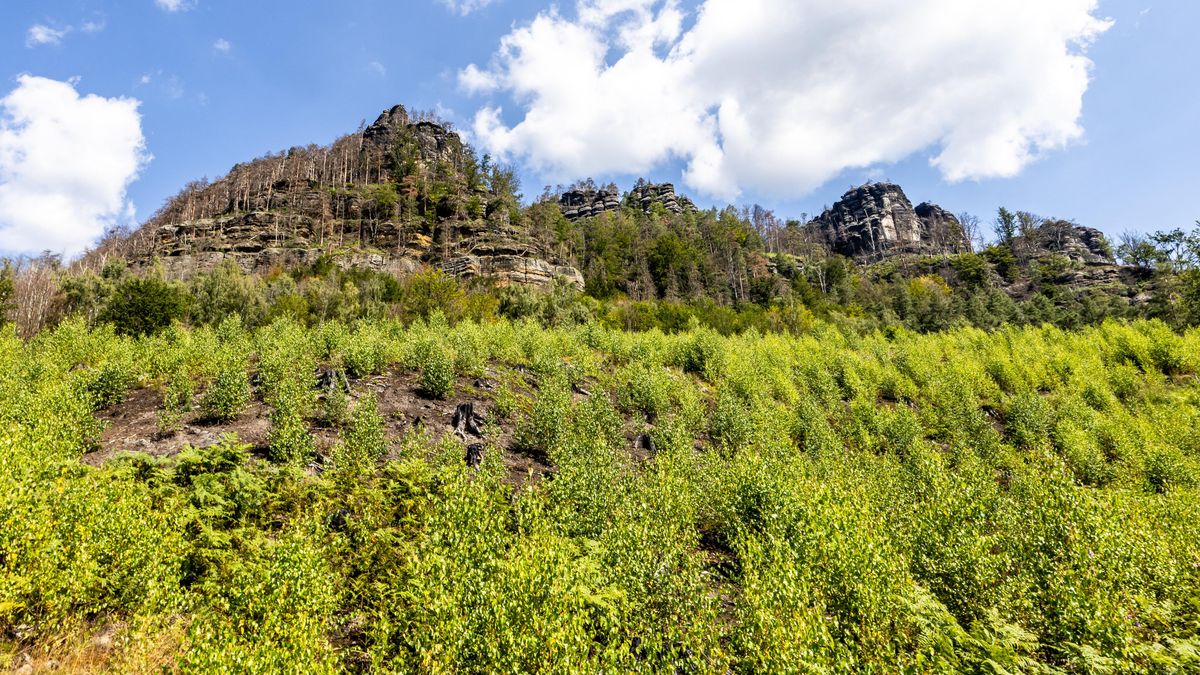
430,140
507,270
1079,244
586,201
646,195
391,199
877,220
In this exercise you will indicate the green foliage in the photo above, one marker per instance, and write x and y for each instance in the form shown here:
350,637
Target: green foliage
702,353
227,395
142,306
364,441
177,402
1017,501
437,370
7,291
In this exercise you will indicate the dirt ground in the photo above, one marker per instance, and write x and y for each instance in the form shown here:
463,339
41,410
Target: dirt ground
131,426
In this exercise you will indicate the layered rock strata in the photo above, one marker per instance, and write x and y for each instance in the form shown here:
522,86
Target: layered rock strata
876,220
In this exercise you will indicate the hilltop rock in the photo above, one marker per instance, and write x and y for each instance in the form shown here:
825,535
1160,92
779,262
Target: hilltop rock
390,198
394,128
586,201
645,195
1080,244
387,126
877,220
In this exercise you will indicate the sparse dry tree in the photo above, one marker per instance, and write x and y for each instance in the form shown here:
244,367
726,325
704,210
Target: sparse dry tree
35,293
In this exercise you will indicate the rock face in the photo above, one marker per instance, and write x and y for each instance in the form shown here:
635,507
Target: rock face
645,195
512,269
877,220
586,202
1080,244
365,201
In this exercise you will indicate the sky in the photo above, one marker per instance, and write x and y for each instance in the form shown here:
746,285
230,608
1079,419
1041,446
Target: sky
1078,109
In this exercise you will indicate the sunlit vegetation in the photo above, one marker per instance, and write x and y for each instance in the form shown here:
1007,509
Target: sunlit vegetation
1017,501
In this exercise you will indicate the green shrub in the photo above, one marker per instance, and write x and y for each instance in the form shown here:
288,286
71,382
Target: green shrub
365,441
109,384
643,389
732,425
144,306
1166,469
702,353
548,420
177,402
335,407
291,400
437,372
1027,420
227,396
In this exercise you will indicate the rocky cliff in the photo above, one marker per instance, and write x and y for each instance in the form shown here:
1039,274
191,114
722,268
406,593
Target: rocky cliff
586,201
876,220
401,193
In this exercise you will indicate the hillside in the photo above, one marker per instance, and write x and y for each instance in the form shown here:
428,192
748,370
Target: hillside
406,193
401,192
383,497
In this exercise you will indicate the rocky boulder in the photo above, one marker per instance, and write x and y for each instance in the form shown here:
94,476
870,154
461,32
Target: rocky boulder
877,220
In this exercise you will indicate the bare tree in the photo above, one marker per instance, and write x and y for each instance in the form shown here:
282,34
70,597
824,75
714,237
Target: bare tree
35,293
972,230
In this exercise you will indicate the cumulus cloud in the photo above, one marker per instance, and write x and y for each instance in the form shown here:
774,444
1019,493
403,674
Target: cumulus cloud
780,96
41,34
222,45
465,7
66,161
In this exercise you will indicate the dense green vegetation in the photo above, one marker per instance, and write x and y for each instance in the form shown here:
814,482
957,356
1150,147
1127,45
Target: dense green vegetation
631,286
1023,500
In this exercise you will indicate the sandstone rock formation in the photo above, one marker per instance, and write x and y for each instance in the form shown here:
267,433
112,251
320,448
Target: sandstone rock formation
1079,244
392,197
877,220
586,201
645,195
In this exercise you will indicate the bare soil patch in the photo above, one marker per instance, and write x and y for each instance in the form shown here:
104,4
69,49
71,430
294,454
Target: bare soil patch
132,425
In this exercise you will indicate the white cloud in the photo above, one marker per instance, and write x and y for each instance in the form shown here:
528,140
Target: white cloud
465,7
65,163
41,34
222,45
780,96
175,5
377,68
95,26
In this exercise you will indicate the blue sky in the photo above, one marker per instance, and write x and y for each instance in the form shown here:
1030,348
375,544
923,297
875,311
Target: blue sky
221,82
